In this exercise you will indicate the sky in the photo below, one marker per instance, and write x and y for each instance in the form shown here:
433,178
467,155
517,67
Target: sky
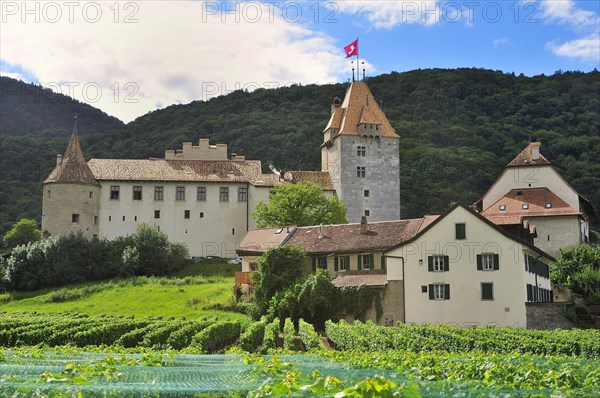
129,58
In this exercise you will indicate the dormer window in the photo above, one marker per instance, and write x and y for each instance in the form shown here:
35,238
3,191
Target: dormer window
548,205
502,207
519,193
525,206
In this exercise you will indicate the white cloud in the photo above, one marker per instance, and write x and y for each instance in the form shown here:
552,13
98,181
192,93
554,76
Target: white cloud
585,49
175,52
586,23
14,75
503,41
387,14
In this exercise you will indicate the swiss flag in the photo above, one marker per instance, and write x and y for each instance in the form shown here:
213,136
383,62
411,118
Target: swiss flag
352,49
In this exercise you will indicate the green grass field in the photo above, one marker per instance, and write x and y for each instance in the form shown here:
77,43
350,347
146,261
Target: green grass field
200,290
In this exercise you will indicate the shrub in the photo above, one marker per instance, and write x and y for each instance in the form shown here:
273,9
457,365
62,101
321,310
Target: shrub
252,338
271,336
216,336
308,336
289,335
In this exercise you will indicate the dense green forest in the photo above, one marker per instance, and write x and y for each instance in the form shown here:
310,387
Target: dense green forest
459,129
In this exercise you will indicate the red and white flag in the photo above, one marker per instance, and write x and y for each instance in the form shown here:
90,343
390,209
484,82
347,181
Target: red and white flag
352,49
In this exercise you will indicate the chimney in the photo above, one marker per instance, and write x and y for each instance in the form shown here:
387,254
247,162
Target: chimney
363,225
58,159
321,231
535,151
336,104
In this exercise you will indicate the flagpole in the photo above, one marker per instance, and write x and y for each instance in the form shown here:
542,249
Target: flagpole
357,61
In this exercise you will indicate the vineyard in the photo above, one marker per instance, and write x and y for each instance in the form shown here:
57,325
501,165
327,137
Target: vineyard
72,354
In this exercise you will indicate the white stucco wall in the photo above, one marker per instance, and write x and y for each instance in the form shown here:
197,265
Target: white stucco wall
465,306
531,177
61,200
555,233
222,226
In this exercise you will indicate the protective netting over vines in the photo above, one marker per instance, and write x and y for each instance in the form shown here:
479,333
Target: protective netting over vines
99,375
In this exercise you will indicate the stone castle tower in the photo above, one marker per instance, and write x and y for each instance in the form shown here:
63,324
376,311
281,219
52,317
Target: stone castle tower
361,152
71,195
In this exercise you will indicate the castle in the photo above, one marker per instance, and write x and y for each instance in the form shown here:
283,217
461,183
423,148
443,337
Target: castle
201,197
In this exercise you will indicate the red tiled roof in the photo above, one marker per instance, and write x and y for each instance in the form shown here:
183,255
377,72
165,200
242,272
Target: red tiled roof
536,200
358,106
347,238
525,158
260,240
321,178
374,278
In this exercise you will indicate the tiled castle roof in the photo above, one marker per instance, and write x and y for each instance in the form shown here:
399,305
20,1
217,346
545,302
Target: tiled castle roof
73,167
529,156
359,106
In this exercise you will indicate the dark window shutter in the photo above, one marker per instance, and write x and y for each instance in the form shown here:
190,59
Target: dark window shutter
347,263
314,264
335,263
446,263
360,261
529,293
382,262
430,292
460,231
372,262
479,262
430,263
526,261
496,262
447,292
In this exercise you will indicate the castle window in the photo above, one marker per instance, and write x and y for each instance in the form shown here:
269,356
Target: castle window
180,193
361,151
224,194
502,207
159,193
201,194
366,193
242,195
156,213
201,214
75,218
49,192
186,214
487,291
137,192
114,192
438,263
95,220
525,206
548,205
367,213
91,194
361,171
439,291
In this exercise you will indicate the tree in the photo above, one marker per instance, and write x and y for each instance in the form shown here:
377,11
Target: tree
579,267
299,204
22,233
279,268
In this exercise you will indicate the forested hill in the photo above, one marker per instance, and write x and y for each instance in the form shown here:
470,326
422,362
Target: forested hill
459,129
33,109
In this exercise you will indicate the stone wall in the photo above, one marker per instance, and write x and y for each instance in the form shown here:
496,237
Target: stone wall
547,316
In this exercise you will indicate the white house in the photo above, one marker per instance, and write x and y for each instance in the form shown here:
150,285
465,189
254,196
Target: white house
531,190
462,269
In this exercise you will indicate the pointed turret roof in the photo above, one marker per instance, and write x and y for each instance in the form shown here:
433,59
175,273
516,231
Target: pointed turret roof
530,156
359,106
73,167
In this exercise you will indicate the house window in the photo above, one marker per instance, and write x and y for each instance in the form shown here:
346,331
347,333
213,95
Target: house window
159,193
423,288
487,291
366,193
439,291
525,206
186,214
360,171
488,262
321,262
201,214
361,151
343,263
75,218
137,192
224,194
180,193
253,266
242,194
438,263
156,213
502,207
366,261
201,194
367,213
114,192
461,230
